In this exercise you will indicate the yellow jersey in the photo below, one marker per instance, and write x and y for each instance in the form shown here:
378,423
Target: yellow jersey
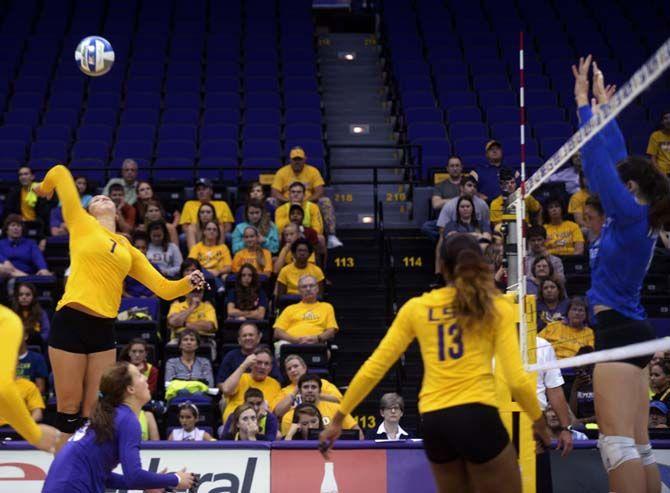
270,388
312,219
578,201
246,256
561,239
289,275
498,208
99,259
567,340
309,176
457,360
326,388
307,319
12,407
211,257
30,397
204,312
327,410
189,213
659,146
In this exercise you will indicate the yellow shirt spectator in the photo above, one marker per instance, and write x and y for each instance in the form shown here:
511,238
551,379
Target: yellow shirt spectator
27,210
289,258
309,176
211,257
326,388
313,218
30,396
270,388
577,201
498,206
567,340
561,239
204,311
289,276
659,147
327,410
246,256
307,319
189,214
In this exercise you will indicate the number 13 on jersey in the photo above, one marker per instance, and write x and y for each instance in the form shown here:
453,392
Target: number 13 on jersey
455,349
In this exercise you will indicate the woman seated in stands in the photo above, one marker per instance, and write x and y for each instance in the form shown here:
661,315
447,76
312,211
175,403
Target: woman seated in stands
305,417
256,193
212,254
552,304
569,336
154,212
253,253
206,214
563,237
56,221
188,366
163,254
541,269
245,424
255,215
289,235
247,301
290,274
466,221
137,352
189,432
35,320
22,254
392,409
659,379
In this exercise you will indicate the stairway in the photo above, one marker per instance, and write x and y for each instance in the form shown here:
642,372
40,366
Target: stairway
354,94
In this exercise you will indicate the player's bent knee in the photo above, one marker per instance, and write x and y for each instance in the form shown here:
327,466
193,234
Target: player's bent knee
646,454
615,450
68,422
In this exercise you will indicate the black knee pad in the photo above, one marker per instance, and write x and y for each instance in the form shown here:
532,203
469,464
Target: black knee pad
68,423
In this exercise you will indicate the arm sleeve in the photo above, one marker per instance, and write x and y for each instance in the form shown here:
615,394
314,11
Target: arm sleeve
238,242
129,435
207,372
170,372
398,337
60,179
317,219
272,239
142,270
331,322
508,355
282,321
226,214
652,145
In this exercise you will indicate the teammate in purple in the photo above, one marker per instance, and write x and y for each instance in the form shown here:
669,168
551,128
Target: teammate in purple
85,463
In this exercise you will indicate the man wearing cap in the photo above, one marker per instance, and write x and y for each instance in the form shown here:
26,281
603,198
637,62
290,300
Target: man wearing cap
299,171
507,182
658,415
488,173
204,191
128,180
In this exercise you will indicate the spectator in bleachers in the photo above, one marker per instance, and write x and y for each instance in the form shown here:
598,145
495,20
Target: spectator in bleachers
299,171
447,189
249,338
247,301
507,182
244,425
148,425
146,196
542,268
253,253
466,221
161,252
35,319
310,393
296,217
658,415
564,237
308,322
567,337
204,191
256,216
56,222
291,233
488,173
557,428
581,391
290,274
552,304
659,379
32,398
236,385
295,367
23,201
137,352
189,432
311,214
494,256
658,147
578,202
154,212
193,313
392,409
255,193
132,287
212,254
128,181
32,365
125,213
305,417
24,254
268,424
537,237
195,233
188,366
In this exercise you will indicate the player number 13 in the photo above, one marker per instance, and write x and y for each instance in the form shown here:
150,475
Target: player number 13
455,348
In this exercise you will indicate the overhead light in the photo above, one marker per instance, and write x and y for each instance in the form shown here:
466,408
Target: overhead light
366,219
348,56
359,128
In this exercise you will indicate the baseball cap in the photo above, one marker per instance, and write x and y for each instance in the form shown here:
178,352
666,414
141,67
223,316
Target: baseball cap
492,143
297,152
659,406
203,182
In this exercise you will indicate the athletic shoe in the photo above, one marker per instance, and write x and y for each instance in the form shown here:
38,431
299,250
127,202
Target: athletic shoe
334,242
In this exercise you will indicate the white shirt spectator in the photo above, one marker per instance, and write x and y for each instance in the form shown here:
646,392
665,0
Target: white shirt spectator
181,435
548,379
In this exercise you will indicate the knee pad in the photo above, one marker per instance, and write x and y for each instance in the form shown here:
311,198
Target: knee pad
646,454
68,423
615,450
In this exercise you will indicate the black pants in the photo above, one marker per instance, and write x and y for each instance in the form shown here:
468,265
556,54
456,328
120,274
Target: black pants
78,332
615,330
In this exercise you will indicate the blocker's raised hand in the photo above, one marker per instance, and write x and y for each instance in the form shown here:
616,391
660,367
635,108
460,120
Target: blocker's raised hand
581,73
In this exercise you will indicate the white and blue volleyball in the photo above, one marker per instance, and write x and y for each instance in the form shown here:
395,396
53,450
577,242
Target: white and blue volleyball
94,56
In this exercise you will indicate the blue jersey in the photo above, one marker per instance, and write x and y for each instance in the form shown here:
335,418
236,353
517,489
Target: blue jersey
84,466
625,248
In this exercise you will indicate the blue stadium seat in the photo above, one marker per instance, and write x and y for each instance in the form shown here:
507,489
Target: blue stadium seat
52,149
418,100
302,100
262,100
261,84
464,114
176,149
177,132
302,131
62,116
134,148
470,146
491,82
426,131
136,132
215,100
27,100
104,100
218,132
265,116
91,149
261,149
540,97
95,132
174,169
550,145
269,132
222,84
562,130
452,99
218,149
185,100
502,114
459,131
497,98
100,116
140,100
505,131
230,116
300,84
14,149
146,69
140,116
28,117
182,84
181,115
416,115
302,115
65,100
144,84
16,132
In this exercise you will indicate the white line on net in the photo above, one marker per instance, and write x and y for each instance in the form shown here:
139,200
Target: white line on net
616,354
640,80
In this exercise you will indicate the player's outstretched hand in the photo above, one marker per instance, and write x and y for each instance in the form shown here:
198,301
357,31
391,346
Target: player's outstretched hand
581,73
50,438
197,280
328,436
185,479
602,92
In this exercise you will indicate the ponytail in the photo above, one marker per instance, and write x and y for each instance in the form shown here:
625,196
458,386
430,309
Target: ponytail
113,386
654,187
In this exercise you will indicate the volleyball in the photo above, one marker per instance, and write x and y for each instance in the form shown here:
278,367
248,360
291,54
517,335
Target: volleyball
94,56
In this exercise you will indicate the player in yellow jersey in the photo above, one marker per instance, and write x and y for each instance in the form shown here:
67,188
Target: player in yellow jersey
460,328
12,409
82,344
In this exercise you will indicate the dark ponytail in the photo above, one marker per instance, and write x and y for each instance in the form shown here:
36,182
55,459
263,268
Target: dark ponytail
471,275
113,386
654,187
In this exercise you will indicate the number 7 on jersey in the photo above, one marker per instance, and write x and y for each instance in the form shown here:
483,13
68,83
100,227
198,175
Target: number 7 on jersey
455,349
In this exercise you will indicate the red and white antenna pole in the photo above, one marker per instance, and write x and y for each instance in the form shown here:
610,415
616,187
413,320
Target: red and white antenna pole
521,212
